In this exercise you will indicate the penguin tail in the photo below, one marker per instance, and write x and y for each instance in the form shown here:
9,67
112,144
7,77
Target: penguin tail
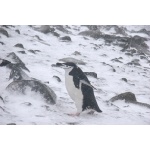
98,110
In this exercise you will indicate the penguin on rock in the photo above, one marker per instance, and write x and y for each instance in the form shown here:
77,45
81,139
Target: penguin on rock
79,88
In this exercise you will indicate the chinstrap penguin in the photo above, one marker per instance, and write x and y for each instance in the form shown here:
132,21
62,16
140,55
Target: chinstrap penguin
79,88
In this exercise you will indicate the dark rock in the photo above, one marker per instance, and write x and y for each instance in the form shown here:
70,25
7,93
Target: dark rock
4,32
132,51
58,79
123,50
18,61
45,29
8,26
27,104
34,51
142,31
123,39
62,29
17,65
124,79
114,70
47,82
134,62
116,60
92,27
37,50
118,30
128,97
104,55
66,38
11,124
85,38
4,62
93,74
56,34
22,52
5,26
120,58
1,99
2,43
19,45
68,27
136,42
142,104
112,38
109,66
129,54
139,43
17,31
38,37
21,86
143,57
17,74
94,34
76,53
141,53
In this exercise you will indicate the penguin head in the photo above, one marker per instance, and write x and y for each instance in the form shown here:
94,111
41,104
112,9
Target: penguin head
67,65
4,62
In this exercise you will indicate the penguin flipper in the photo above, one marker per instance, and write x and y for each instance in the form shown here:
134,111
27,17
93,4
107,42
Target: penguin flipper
86,83
89,101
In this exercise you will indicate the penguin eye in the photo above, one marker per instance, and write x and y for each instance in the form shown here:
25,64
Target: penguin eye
67,66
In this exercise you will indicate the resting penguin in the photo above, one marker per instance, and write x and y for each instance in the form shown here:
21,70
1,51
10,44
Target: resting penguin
79,88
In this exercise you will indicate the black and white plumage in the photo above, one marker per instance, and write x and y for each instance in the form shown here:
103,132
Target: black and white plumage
79,88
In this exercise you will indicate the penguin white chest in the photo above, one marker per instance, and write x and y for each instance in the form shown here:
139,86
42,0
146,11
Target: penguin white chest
74,93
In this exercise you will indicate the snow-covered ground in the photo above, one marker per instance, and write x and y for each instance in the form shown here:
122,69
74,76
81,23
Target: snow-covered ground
16,108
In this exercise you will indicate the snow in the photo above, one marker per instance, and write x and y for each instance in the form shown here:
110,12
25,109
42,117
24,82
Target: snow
108,83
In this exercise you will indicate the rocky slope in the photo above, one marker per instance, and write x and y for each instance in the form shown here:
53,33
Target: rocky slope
116,60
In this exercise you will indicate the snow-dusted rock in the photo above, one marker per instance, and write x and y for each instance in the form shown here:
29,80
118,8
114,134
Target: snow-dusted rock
18,74
65,39
62,29
19,45
128,97
104,55
17,62
22,86
94,34
45,29
4,32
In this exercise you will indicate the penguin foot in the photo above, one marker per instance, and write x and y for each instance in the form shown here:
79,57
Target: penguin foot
91,112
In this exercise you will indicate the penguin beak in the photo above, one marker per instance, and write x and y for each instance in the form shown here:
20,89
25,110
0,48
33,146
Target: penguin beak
59,64
63,65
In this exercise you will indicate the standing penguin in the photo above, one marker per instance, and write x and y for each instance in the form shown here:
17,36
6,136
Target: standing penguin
79,88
